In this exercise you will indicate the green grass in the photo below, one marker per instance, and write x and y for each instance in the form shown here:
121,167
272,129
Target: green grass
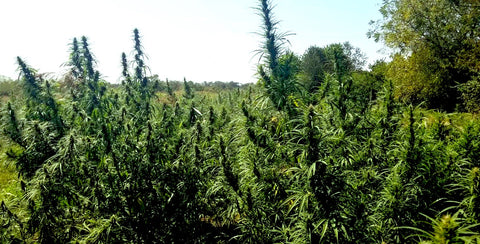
9,184
10,190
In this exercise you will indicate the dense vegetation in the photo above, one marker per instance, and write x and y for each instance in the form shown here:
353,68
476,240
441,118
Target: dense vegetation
318,150
438,51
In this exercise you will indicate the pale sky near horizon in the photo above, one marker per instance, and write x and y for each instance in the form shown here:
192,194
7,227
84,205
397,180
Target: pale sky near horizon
202,40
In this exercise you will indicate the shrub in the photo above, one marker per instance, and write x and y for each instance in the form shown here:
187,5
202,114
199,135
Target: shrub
470,93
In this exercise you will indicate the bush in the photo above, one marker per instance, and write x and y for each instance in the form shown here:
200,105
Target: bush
8,87
470,93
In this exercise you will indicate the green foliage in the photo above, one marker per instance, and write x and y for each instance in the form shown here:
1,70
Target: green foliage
76,60
449,229
343,59
8,88
342,63
313,67
88,60
437,44
187,86
277,74
471,95
153,161
417,81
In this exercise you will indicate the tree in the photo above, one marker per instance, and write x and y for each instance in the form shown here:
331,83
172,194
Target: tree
438,37
342,59
313,67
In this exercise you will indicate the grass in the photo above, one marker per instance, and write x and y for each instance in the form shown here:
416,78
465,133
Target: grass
11,193
9,184
10,190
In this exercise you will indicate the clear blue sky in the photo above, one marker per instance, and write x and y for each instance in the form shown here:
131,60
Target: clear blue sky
202,40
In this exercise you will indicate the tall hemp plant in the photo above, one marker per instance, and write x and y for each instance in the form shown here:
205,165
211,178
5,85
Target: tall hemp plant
44,122
272,72
38,134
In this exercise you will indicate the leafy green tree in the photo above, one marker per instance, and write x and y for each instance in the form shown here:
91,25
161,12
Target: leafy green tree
343,59
437,43
313,67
